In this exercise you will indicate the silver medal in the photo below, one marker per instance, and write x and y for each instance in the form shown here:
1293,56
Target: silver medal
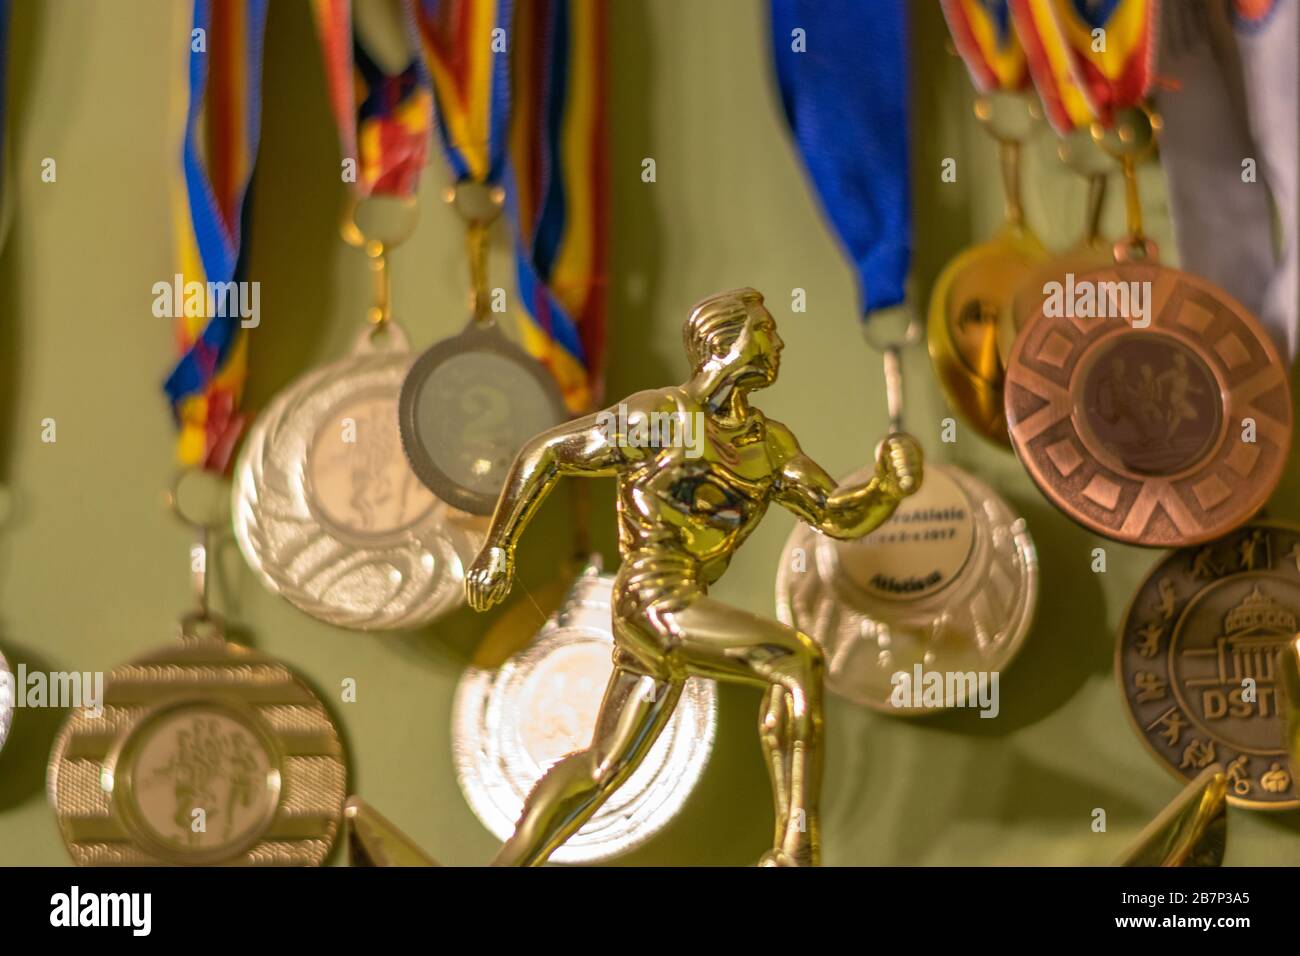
948,584
8,690
510,724
327,511
467,407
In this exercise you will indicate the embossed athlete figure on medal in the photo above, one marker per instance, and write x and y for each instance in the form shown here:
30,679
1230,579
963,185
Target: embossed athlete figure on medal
682,512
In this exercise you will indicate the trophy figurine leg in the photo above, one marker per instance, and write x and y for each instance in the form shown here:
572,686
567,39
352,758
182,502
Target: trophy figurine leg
634,710
723,643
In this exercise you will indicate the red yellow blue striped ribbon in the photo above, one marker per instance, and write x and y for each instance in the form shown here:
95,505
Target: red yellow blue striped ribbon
1052,65
1115,67
466,46
560,188
383,119
986,39
223,120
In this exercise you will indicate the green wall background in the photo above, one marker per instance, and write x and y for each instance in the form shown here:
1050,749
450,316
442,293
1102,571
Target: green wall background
93,571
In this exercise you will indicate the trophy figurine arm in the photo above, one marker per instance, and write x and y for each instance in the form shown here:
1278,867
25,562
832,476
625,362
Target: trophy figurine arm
586,447
847,511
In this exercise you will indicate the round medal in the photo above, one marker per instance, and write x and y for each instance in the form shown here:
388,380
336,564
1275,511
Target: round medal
972,297
511,723
327,511
8,691
466,408
1148,405
202,753
1199,660
948,584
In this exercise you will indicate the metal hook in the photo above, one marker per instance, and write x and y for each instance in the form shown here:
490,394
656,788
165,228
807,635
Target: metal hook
200,550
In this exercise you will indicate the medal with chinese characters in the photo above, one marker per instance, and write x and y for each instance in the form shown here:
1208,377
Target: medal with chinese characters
511,723
1199,660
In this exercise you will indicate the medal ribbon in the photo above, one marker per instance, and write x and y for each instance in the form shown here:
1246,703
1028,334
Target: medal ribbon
468,61
847,110
1119,74
223,121
560,189
383,119
1052,65
985,36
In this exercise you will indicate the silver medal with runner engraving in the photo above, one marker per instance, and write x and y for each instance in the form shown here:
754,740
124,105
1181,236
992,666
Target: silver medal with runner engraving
327,511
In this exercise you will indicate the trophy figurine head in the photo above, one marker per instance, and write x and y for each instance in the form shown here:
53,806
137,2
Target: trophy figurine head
731,341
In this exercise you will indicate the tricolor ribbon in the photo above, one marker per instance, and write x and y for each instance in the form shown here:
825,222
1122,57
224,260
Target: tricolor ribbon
986,39
467,55
1111,45
559,196
223,120
847,107
383,119
539,98
1051,65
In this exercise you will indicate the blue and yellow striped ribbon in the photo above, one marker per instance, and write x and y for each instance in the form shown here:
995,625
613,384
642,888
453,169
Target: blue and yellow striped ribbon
222,126
560,188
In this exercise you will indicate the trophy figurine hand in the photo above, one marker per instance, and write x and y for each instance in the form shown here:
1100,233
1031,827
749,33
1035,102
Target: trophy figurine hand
489,578
898,464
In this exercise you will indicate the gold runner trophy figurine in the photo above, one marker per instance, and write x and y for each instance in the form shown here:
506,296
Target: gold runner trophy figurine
696,467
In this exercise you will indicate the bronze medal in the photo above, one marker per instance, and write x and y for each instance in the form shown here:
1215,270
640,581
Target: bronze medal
1146,403
1199,660
1166,435
204,753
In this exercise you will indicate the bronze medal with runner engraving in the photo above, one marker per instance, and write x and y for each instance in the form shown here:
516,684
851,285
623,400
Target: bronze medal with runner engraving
1199,660
1154,411
202,753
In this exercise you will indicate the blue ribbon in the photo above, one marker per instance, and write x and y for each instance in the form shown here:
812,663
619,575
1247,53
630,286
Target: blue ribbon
846,100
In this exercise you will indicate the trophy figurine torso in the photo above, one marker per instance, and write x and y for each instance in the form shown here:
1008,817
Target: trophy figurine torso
696,468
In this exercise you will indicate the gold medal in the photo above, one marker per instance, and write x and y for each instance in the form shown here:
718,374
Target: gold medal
511,723
205,753
973,295
200,753
326,509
